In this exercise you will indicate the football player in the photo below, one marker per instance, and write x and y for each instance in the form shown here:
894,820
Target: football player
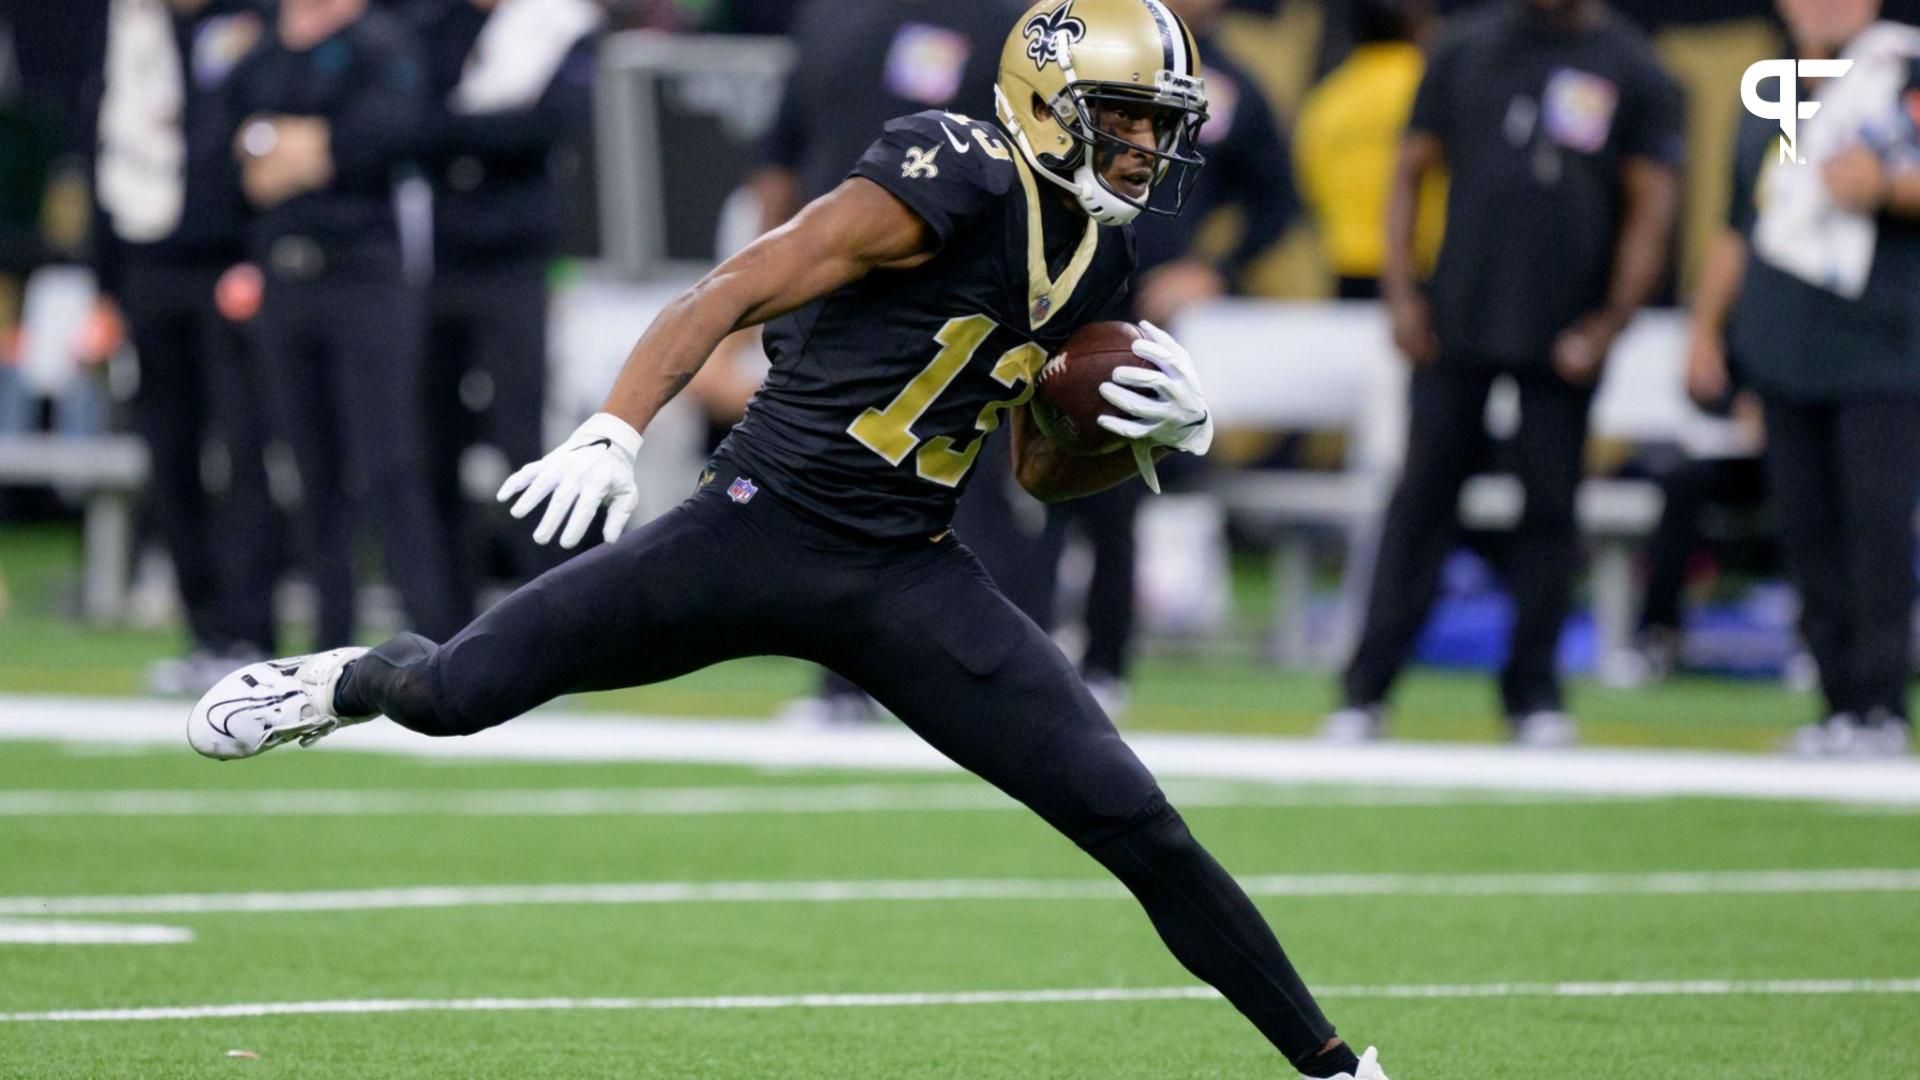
907,313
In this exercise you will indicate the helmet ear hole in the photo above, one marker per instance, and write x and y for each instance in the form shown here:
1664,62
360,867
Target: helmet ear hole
1041,111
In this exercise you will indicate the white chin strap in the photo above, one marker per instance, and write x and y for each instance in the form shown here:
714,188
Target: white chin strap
1100,204
1093,197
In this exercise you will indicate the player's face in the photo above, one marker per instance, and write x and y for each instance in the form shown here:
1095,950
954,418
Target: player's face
1129,172
1826,25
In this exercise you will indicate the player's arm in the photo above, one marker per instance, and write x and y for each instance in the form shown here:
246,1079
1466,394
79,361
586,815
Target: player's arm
1421,155
1053,475
1160,409
1650,204
839,238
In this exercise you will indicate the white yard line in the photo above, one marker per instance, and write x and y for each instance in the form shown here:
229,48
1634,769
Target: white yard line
1724,883
40,932
1698,988
553,736
689,801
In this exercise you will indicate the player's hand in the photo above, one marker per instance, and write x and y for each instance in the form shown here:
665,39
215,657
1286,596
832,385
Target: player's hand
1707,380
1581,350
1171,411
1857,179
1413,330
594,467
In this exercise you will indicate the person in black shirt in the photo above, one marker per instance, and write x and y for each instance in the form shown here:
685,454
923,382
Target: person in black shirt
860,64
908,313
509,91
1563,139
1249,172
170,226
1834,350
328,108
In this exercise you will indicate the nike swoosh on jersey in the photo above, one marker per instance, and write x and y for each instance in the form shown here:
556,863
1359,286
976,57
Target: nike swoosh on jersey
958,145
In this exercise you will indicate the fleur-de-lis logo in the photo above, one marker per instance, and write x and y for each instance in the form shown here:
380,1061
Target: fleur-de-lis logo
919,164
1042,28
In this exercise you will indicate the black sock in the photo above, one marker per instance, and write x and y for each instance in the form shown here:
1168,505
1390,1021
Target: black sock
1334,1062
386,680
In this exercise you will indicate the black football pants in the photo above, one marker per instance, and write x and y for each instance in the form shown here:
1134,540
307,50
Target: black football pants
1844,476
1445,445
486,383
343,356
917,624
198,381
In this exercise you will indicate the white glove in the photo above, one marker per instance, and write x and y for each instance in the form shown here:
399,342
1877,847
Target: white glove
593,467
1172,412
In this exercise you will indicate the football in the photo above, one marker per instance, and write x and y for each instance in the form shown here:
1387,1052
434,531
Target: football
1066,397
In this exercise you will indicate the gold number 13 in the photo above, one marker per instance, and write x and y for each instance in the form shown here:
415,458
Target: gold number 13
889,431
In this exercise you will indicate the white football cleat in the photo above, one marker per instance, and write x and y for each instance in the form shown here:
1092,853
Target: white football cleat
1369,1068
264,705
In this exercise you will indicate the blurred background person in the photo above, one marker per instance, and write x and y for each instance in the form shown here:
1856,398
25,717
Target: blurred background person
328,109
1562,137
1348,138
509,94
1825,328
1697,484
860,64
169,224
1249,176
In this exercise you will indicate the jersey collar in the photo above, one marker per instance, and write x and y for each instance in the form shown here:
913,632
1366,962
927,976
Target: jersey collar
1046,295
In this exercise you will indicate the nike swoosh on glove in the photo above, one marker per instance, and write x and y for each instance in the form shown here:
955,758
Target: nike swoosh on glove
1171,411
594,467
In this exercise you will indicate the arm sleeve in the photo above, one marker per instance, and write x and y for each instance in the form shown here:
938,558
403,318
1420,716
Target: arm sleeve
786,143
785,146
105,249
1432,102
917,161
1743,196
564,109
380,125
1656,124
1261,179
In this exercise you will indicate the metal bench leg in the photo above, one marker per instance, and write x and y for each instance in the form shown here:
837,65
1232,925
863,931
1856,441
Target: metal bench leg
1615,595
109,556
1293,596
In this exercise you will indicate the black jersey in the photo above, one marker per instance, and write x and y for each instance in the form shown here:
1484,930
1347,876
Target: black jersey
881,393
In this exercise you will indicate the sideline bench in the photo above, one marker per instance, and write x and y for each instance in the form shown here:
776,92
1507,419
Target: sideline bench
108,472
1271,365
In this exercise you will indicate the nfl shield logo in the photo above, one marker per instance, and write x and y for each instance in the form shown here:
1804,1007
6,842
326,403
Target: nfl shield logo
742,490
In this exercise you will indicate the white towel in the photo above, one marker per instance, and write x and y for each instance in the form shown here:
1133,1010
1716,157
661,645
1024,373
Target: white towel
143,150
1801,230
519,51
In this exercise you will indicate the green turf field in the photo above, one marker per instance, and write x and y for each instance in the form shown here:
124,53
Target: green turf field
43,650
450,824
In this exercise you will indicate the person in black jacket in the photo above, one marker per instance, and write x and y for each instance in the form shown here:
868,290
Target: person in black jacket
170,224
509,87
329,108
